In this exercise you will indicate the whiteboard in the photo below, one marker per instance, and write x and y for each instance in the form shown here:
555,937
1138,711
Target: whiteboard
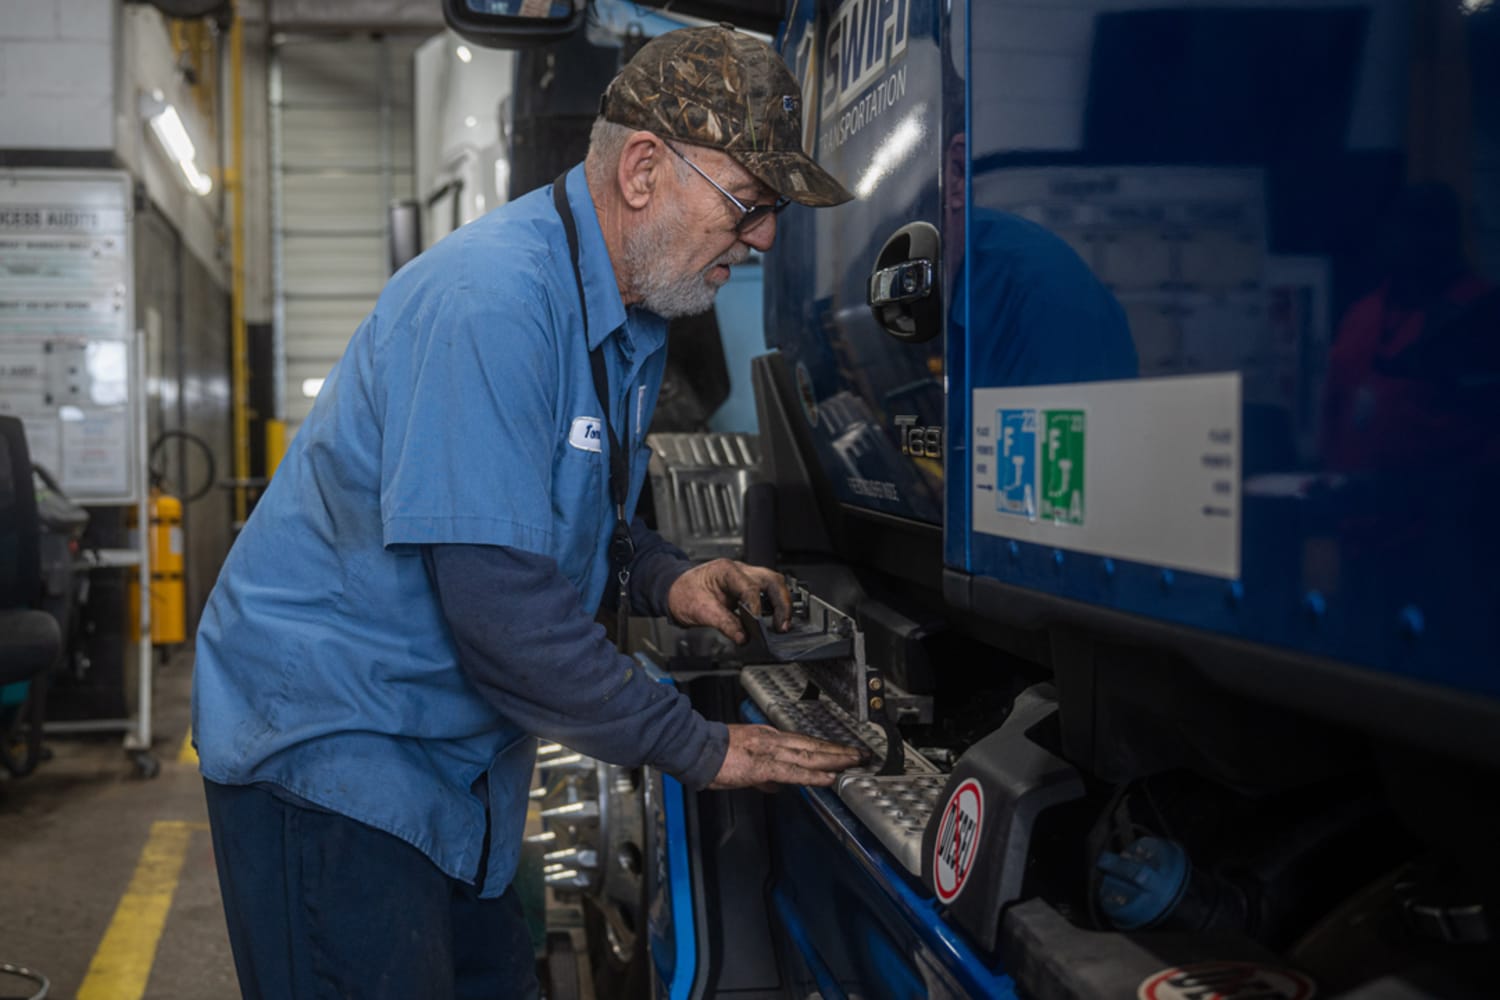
67,353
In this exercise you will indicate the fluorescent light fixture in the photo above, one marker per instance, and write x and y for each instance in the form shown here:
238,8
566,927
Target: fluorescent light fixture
166,125
464,55
311,387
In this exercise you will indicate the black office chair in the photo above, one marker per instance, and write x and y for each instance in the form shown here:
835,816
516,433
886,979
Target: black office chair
30,640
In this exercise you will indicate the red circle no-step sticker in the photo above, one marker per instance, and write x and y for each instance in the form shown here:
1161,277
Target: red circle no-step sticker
958,840
1226,981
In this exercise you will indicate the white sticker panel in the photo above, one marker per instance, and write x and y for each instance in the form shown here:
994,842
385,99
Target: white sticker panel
1146,470
66,327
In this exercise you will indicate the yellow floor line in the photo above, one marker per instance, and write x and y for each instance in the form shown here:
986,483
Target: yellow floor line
123,962
189,753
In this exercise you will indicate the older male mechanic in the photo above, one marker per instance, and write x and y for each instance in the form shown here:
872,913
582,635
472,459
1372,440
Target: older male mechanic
411,601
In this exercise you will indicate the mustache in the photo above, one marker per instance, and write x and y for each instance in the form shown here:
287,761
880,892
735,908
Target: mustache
737,254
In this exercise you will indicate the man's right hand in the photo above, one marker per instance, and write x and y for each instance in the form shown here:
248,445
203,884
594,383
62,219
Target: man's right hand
760,756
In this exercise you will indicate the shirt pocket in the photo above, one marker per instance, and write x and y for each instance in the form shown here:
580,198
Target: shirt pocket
580,514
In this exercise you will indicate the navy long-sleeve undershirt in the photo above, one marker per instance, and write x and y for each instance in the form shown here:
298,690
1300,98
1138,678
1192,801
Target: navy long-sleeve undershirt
525,643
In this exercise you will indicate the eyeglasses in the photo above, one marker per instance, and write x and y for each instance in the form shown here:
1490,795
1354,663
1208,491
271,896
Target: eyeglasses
750,215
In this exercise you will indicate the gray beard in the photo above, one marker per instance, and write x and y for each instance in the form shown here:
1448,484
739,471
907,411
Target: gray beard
662,290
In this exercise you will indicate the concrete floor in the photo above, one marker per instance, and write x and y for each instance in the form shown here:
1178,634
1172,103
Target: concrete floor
72,836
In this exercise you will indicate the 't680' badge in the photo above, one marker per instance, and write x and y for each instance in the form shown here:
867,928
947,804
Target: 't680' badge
958,840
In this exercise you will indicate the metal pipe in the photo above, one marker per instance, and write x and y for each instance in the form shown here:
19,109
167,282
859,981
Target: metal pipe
239,348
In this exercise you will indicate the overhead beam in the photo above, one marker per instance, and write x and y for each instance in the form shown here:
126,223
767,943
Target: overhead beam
344,15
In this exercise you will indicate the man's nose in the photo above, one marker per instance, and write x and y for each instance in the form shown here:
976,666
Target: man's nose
761,235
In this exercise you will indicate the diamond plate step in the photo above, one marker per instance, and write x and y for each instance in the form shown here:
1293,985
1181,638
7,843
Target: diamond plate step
896,808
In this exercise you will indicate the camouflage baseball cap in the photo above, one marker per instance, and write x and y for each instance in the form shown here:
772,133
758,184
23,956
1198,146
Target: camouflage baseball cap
724,89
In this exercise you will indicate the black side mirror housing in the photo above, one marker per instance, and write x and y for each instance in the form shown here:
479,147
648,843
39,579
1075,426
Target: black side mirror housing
509,24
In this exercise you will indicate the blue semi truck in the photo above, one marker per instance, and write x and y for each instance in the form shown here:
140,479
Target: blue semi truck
1132,442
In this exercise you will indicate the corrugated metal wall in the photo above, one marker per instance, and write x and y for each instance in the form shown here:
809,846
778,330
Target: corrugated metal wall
341,127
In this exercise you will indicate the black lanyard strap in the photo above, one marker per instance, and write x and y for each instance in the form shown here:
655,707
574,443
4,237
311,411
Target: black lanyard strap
621,546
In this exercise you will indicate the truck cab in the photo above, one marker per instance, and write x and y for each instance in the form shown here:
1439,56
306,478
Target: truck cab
1129,442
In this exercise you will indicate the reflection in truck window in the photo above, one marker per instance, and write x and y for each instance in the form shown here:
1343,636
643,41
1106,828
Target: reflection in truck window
1039,315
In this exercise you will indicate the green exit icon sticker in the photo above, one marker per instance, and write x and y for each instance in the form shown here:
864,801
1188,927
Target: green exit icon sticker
1062,467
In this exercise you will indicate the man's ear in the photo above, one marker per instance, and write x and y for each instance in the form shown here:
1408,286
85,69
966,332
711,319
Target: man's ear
640,170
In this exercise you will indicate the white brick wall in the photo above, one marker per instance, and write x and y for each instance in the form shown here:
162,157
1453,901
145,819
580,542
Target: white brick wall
57,73
28,19
60,68
85,19
71,76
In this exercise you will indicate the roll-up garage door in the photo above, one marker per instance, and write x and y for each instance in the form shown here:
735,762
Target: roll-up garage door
341,127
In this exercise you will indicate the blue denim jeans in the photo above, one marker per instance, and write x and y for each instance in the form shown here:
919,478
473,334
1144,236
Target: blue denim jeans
320,906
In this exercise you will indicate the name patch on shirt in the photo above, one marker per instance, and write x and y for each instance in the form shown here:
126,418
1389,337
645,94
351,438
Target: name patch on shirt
585,434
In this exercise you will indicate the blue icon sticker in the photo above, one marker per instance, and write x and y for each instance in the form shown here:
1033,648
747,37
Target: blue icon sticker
1062,467
1015,472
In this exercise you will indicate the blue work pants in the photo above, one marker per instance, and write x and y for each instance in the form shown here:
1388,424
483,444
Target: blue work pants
321,906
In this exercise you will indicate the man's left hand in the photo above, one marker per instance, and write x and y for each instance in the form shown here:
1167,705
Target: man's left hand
708,593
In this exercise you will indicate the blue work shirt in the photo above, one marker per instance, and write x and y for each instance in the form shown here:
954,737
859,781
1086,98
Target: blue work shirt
462,413
1041,316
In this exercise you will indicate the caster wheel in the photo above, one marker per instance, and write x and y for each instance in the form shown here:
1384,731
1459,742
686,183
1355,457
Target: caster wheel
146,764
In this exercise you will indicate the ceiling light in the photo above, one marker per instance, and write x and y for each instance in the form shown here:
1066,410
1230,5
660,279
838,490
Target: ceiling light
166,125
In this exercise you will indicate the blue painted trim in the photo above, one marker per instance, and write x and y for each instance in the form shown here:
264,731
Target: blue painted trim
828,987
683,923
679,877
919,908
966,526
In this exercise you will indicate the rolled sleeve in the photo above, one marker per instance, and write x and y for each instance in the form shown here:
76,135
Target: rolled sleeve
467,445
